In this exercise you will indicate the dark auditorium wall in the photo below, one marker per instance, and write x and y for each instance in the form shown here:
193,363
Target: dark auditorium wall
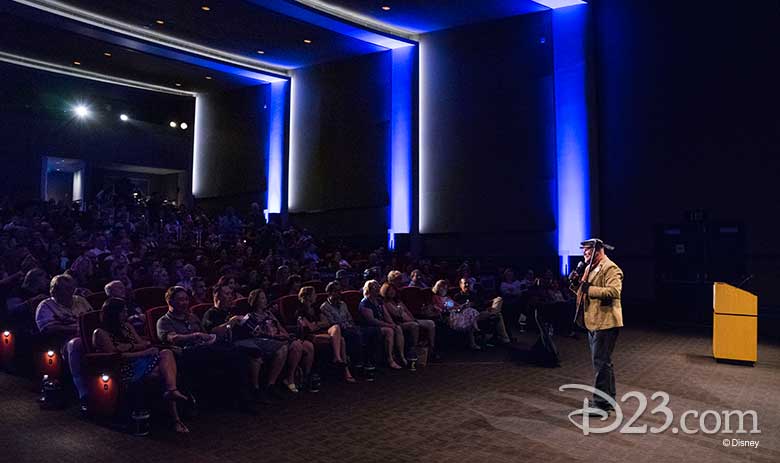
231,153
488,153
34,123
688,100
338,160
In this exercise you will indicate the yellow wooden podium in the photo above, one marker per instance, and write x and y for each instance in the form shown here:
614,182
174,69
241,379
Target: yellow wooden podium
735,324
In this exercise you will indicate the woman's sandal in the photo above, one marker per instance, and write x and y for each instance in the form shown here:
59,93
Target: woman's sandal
180,427
175,394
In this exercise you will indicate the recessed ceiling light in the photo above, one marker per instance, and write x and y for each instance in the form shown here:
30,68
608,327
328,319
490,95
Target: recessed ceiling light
307,41
160,22
183,126
260,52
77,63
173,124
386,8
123,117
205,8
178,84
107,54
208,77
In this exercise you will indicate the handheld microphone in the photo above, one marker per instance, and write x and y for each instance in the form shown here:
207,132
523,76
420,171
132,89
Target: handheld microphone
578,270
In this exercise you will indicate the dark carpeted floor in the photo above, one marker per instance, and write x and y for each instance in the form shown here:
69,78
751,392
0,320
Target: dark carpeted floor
480,407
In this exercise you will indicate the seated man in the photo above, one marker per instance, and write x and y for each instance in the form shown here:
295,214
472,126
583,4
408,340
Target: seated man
488,311
361,342
217,320
199,350
57,318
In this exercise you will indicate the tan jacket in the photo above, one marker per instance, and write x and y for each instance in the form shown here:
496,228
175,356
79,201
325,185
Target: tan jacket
602,306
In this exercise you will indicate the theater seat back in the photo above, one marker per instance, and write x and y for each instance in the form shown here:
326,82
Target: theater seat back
152,315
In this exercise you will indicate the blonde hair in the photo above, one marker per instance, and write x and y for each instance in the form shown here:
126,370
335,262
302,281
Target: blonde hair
386,288
394,276
438,286
305,292
367,286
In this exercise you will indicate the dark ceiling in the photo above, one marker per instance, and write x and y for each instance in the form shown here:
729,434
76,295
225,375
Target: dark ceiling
237,27
421,16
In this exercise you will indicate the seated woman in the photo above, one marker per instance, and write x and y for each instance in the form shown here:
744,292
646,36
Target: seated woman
373,313
139,359
402,316
262,323
458,317
313,324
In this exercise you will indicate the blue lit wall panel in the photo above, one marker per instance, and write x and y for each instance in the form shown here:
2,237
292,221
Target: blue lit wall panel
571,121
401,138
276,145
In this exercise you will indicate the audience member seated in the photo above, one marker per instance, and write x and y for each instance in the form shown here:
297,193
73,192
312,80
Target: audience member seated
218,320
200,350
57,318
262,322
361,341
160,278
458,317
488,310
342,276
417,280
118,289
139,359
313,324
188,272
373,313
23,300
396,279
199,293
403,317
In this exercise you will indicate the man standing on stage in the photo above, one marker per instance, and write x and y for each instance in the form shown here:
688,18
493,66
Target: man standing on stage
599,311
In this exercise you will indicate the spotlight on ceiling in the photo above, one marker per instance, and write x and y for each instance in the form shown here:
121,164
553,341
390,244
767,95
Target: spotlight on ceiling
386,8
160,22
123,118
107,54
172,124
306,41
260,52
205,8
81,111
183,126
208,77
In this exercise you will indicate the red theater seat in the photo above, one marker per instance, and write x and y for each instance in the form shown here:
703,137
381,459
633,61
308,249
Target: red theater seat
149,297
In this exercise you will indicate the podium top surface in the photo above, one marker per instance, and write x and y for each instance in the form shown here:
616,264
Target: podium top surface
730,300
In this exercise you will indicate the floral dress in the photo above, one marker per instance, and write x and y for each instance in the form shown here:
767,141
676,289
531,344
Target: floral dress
459,319
135,369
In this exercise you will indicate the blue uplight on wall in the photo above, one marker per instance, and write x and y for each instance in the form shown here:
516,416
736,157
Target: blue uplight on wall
555,4
401,126
571,121
276,145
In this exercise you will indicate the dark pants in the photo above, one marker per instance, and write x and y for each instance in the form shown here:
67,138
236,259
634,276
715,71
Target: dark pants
195,361
602,343
361,343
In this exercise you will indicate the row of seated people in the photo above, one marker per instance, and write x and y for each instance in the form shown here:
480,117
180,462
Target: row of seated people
247,341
